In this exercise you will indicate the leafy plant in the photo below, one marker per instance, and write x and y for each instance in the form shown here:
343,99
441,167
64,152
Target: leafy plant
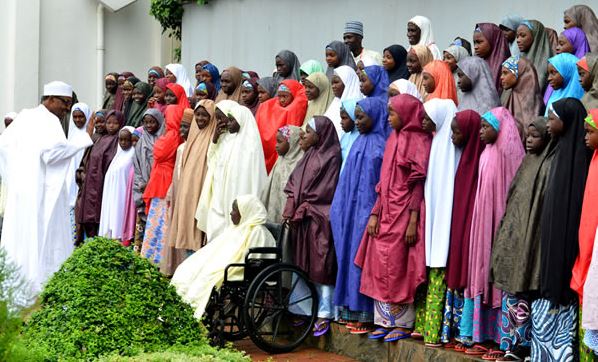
170,15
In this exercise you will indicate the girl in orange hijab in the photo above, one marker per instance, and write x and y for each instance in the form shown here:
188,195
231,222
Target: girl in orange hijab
439,82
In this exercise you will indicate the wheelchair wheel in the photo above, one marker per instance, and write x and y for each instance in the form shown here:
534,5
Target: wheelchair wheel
280,308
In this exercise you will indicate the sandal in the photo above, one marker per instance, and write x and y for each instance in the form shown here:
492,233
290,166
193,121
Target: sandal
378,333
417,335
350,326
493,355
460,347
477,350
509,356
360,328
321,327
450,345
433,345
395,335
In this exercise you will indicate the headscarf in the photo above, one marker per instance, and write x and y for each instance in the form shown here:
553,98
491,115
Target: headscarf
292,62
237,77
499,53
208,89
523,100
144,155
343,53
399,55
311,66
351,91
348,138
214,73
379,78
458,52
427,36
135,115
76,136
318,106
443,79
181,77
562,206
251,83
157,71
566,65
406,87
512,22
483,96
590,98
540,50
162,84
439,186
183,234
578,40
553,38
425,57
464,196
585,18
270,84
119,98
273,195
498,164
182,101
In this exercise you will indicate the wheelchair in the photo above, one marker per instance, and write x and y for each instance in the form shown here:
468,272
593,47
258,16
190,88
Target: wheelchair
274,303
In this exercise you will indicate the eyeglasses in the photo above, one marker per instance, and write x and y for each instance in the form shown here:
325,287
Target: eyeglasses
67,102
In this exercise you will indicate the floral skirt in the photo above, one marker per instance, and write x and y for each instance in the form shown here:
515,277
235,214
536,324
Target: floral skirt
453,311
430,305
154,240
516,323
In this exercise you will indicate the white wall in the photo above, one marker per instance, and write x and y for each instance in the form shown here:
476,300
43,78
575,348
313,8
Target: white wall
249,33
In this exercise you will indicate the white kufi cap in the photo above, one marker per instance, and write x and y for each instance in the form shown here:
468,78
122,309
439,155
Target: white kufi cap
58,88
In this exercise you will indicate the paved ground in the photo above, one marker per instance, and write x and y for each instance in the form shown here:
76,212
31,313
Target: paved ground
301,354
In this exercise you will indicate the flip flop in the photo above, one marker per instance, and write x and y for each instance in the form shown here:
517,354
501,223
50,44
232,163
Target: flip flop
433,345
493,355
378,333
399,334
361,329
318,332
417,335
350,325
450,345
509,356
477,350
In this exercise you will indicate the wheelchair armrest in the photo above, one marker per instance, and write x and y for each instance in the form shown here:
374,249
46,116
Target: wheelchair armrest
237,265
263,250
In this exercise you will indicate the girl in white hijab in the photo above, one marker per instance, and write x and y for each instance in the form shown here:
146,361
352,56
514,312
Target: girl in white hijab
426,36
403,86
347,88
177,74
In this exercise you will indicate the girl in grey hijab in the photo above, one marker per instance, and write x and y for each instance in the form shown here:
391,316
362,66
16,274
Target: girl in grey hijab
477,84
287,66
337,54
153,127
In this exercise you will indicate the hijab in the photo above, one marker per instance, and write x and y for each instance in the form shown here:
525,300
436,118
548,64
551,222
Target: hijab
182,101
523,100
443,79
135,115
512,22
562,206
237,77
270,84
427,36
214,73
144,155
499,53
157,71
379,78
181,77
351,91
566,65
251,83
208,89
399,55
162,84
348,138
483,95
578,40
458,52
318,106
590,98
585,18
540,51
425,56
343,53
406,87
291,60
311,66
76,136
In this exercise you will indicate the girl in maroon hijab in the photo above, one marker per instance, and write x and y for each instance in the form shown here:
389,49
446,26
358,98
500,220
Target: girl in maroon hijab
391,254
310,190
491,45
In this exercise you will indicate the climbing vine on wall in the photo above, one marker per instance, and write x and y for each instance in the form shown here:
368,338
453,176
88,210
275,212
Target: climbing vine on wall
170,15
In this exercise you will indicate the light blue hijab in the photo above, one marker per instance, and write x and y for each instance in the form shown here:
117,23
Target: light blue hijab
566,65
348,138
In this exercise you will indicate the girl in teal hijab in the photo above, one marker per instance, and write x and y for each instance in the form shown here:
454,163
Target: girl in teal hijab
309,67
348,126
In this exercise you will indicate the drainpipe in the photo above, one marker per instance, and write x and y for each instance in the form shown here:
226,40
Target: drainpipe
100,54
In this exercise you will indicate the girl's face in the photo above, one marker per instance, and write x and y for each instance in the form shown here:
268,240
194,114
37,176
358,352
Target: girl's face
554,77
393,118
365,84
308,138
591,136
363,122
347,123
151,79
413,65
125,139
507,78
110,85
202,117
235,215
568,22
563,45
428,125
282,68
248,96
232,124
428,82
121,80
525,39
481,45
226,83
171,77
457,136
282,145
311,91
79,119
488,134
585,79
198,71
170,97
554,125
199,95
534,142
414,33
112,125
284,98
303,76
332,58
388,62
158,95
184,130
127,90
464,82
205,76
338,87
138,96
100,125
509,34
450,60
150,124
392,91
262,94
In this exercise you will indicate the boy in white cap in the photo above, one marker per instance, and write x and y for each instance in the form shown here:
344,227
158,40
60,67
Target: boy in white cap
353,37
34,160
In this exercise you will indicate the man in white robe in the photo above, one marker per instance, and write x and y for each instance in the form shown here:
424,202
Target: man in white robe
34,160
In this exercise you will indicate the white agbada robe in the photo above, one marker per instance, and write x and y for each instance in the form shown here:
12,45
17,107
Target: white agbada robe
236,166
352,91
112,217
34,160
440,182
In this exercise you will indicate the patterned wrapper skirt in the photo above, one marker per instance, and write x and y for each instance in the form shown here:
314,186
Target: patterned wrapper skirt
515,323
453,310
554,329
429,306
391,315
153,247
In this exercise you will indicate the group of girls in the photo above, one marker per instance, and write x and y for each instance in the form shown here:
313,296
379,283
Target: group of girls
437,195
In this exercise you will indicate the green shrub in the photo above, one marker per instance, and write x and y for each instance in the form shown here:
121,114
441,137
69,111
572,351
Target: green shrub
107,300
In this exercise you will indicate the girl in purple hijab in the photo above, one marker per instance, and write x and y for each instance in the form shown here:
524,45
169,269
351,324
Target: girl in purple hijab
491,45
